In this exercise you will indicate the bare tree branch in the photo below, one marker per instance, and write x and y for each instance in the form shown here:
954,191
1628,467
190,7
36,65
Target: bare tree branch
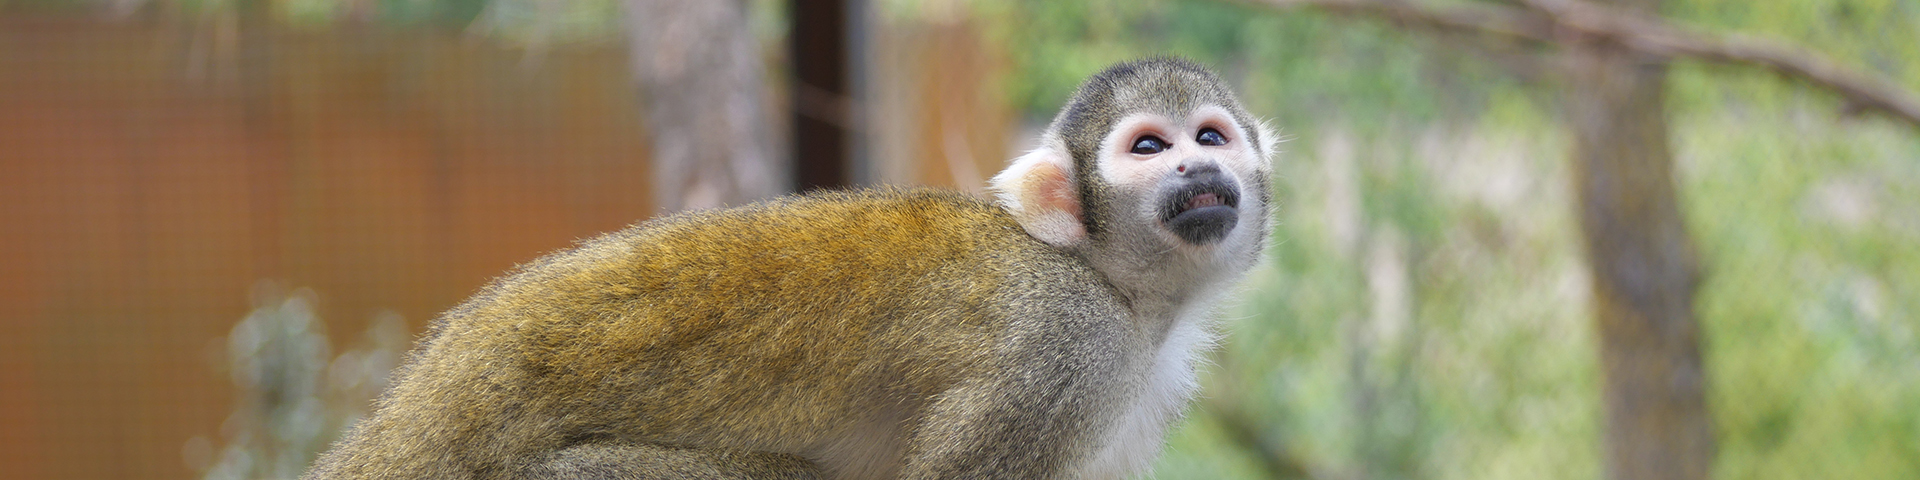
1558,22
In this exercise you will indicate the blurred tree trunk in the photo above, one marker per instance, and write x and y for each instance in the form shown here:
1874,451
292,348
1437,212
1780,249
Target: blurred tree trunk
701,75
1642,262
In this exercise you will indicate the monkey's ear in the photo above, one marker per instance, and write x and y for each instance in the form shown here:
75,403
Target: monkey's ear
1269,139
1038,189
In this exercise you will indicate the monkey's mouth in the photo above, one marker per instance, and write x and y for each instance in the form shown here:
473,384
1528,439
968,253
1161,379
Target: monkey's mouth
1202,212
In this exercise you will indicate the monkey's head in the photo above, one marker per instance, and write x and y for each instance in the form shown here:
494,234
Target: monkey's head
1152,169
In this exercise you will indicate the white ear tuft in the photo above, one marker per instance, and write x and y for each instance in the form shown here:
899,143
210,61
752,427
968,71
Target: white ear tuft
1269,140
1038,189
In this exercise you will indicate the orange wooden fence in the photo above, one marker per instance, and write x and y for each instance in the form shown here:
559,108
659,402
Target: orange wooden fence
151,172
143,190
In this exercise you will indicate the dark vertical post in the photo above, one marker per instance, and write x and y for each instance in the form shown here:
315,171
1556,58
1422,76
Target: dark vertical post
821,89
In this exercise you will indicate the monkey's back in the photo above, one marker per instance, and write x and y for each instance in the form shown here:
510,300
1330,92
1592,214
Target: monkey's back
718,324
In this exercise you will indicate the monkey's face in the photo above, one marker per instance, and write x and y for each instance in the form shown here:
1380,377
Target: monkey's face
1153,172
1186,176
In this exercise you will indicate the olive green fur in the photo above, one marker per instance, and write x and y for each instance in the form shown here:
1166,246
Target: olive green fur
761,329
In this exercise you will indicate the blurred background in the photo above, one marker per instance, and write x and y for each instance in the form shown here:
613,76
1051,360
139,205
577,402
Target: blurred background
222,221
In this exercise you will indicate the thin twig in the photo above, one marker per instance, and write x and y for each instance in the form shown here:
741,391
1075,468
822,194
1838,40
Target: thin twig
1862,90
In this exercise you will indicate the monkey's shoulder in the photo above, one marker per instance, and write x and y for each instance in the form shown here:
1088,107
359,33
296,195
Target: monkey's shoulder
830,263
852,214
872,229
847,240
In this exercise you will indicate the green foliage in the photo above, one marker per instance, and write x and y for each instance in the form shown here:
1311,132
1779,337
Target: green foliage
1425,311
1811,230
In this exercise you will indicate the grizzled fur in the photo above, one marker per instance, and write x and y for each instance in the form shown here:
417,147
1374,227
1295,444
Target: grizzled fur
782,310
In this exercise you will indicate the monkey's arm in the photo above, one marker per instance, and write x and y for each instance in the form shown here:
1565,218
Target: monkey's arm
641,461
1034,412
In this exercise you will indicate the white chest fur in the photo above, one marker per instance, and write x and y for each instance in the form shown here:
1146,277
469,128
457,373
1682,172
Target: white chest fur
1168,382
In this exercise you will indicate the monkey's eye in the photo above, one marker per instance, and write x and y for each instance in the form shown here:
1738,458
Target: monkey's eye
1211,138
1149,145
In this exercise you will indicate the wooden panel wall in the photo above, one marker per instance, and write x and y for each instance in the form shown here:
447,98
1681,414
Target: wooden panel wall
152,173
143,191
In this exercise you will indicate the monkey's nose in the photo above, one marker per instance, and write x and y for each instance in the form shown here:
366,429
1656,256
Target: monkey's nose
1198,169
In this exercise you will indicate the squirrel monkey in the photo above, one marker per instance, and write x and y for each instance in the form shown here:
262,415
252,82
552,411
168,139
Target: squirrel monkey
1051,331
